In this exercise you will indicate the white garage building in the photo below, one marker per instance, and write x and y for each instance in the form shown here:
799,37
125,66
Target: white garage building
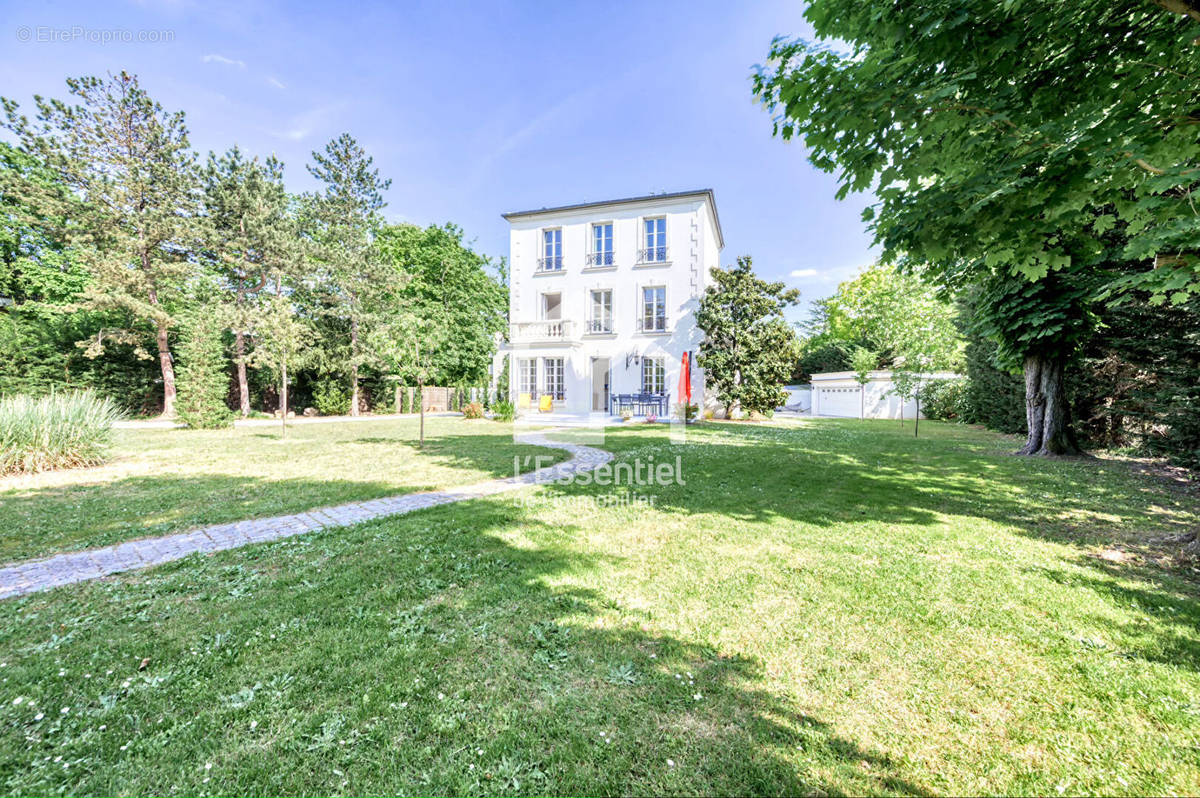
838,394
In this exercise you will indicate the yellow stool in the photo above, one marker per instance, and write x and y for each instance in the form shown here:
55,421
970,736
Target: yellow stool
546,404
523,401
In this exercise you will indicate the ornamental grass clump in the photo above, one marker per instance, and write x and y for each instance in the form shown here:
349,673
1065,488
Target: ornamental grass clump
62,430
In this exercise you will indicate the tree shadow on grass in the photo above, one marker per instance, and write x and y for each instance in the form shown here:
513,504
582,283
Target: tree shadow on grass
824,477
51,520
38,522
428,653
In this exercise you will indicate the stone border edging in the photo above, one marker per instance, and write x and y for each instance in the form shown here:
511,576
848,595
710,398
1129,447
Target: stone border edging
32,576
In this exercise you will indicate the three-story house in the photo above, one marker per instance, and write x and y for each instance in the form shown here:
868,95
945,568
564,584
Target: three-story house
602,301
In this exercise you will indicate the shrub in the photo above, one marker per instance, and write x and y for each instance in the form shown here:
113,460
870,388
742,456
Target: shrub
203,373
944,400
472,410
332,396
62,430
504,410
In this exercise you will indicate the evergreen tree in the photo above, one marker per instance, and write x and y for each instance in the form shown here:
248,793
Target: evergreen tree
250,237
342,221
203,369
130,163
748,349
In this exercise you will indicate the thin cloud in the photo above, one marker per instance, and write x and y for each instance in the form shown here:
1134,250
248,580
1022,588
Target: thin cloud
276,82
303,125
214,58
804,273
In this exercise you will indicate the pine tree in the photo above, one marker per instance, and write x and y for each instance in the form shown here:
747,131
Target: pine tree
129,160
250,237
342,220
203,369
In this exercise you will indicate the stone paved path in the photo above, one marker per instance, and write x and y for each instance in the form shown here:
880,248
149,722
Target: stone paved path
65,569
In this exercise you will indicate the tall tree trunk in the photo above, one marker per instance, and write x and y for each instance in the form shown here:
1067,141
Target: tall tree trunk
354,367
1047,412
239,351
164,350
168,371
283,398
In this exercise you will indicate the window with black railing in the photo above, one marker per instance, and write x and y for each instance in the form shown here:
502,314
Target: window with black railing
652,255
551,259
600,320
602,245
654,240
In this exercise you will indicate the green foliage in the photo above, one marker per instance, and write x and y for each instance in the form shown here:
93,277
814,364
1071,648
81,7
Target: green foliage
994,397
331,396
893,313
203,370
1005,138
446,277
1140,387
355,286
1049,317
132,163
819,355
250,240
749,350
862,362
61,430
504,410
472,410
944,400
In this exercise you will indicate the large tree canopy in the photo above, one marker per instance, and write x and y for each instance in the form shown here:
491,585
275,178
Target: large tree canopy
130,207
896,315
453,284
1005,134
748,349
1008,142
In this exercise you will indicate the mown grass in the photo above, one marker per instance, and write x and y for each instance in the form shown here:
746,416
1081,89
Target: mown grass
164,480
826,607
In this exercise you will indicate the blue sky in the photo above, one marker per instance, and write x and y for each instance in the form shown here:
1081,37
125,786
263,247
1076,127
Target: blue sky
473,109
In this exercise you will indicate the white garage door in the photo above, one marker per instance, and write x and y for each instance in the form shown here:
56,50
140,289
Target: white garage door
842,402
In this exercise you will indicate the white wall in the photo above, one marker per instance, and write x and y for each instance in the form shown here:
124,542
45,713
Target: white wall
799,397
692,250
837,394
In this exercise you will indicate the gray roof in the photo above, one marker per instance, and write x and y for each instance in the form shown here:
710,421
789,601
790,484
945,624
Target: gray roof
700,192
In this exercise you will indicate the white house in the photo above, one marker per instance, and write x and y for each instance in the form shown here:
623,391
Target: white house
602,301
837,393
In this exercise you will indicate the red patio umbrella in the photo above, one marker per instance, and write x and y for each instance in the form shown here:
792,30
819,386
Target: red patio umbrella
685,380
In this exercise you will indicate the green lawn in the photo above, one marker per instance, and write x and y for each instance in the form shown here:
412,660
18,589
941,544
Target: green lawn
823,607
166,480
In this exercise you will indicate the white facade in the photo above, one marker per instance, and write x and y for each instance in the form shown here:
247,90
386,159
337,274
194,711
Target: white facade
838,394
603,295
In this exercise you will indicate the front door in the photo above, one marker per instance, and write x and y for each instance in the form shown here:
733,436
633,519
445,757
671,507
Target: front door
600,376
